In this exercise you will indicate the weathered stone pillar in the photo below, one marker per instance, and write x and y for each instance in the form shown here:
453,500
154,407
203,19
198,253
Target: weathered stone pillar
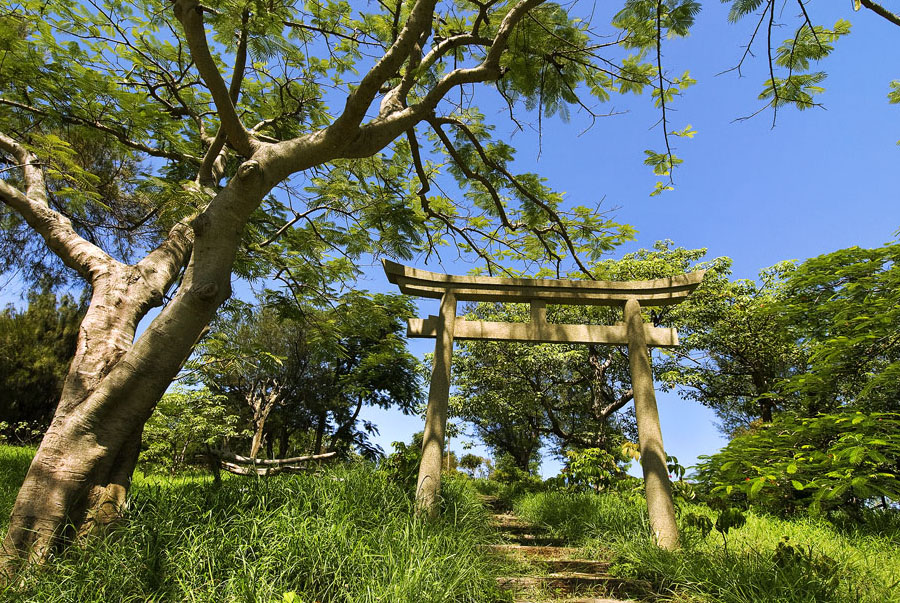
428,486
657,486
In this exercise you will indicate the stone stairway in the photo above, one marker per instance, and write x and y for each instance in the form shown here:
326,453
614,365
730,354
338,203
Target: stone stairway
538,567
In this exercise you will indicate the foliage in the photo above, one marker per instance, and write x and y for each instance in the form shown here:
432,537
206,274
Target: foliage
36,347
140,96
471,463
841,461
346,534
402,465
507,471
591,469
184,423
793,77
734,347
806,338
845,306
299,368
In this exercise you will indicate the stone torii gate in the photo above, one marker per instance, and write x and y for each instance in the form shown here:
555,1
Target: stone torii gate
631,295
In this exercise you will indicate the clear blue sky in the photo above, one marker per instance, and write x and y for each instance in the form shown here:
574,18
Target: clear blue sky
820,180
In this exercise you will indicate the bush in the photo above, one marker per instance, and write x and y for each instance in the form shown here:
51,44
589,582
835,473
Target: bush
826,463
14,463
184,422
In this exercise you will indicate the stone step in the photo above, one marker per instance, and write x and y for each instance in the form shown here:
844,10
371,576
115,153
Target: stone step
572,587
546,552
507,519
565,582
491,502
582,566
537,540
519,529
579,600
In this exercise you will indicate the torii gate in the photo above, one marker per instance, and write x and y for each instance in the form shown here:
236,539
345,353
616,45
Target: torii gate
445,327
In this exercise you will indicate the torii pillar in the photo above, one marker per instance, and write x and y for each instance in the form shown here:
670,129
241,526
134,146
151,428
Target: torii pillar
630,295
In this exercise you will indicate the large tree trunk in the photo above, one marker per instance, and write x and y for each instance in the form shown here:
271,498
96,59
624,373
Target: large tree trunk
81,473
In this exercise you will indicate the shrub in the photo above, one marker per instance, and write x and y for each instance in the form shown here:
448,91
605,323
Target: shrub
847,461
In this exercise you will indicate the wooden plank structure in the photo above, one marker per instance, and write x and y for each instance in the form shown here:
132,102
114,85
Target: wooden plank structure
631,295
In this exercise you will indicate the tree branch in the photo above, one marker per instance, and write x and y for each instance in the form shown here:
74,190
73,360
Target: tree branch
881,11
417,26
189,13
161,267
207,174
75,251
120,136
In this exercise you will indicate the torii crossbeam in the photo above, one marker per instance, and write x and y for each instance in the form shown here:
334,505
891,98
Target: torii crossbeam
631,295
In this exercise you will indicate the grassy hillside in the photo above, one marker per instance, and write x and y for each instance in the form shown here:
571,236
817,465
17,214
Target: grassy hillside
767,560
350,535
345,535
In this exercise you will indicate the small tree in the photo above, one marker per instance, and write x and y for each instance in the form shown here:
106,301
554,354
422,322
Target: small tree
186,422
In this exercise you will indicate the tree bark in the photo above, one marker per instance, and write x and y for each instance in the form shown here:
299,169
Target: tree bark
80,475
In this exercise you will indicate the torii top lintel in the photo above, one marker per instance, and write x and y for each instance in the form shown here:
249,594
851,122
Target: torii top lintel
656,292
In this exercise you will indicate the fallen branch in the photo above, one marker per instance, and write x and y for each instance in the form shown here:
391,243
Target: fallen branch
246,460
262,471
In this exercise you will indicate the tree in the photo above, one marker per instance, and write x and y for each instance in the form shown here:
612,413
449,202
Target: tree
517,395
146,79
845,307
735,348
186,422
312,369
831,328
244,360
806,338
373,366
36,347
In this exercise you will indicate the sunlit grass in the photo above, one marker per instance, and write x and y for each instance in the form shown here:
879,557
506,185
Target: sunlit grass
14,462
345,535
824,563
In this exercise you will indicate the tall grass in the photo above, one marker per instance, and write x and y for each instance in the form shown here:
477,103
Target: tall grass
769,559
14,462
348,535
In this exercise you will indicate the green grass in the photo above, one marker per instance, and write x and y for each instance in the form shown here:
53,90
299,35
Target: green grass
347,535
14,463
824,563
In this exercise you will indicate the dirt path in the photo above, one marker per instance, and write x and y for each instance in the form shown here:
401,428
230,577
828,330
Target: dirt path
538,567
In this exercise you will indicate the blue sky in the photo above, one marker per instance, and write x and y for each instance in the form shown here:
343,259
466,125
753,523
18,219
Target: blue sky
819,180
